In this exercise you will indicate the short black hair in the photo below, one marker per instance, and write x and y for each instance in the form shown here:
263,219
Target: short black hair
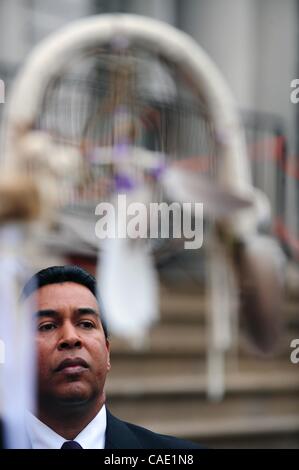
67,273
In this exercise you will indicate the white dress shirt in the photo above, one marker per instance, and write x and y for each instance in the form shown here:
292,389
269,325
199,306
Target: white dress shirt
91,437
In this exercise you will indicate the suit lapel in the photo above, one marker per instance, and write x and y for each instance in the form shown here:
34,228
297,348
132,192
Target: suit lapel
119,435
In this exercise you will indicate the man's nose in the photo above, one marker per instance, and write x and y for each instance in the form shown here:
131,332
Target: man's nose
69,337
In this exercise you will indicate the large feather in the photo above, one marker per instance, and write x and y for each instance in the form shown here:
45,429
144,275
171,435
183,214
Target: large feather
128,281
184,186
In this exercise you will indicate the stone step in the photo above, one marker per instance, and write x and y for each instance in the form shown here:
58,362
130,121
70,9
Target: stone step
247,378
124,364
187,340
186,308
198,419
216,433
177,365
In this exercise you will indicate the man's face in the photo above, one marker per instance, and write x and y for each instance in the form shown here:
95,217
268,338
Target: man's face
73,353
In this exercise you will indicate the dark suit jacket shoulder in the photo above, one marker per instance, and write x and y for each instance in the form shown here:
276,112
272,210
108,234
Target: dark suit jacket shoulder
123,435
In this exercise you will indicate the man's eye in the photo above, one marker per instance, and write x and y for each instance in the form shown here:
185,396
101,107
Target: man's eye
46,327
88,325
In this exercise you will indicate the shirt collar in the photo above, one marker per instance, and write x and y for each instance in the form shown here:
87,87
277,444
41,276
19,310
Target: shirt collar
91,437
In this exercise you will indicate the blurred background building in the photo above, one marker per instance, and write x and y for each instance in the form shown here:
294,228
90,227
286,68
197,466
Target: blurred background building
256,46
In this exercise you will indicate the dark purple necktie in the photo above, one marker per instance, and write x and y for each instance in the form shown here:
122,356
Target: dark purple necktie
71,445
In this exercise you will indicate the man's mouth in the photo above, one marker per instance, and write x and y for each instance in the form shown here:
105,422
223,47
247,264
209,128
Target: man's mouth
72,366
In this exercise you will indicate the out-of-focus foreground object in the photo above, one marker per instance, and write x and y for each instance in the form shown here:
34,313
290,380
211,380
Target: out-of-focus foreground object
19,207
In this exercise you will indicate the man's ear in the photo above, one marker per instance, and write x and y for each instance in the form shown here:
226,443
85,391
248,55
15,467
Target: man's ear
108,354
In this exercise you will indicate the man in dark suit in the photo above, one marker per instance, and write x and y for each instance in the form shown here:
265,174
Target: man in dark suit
73,361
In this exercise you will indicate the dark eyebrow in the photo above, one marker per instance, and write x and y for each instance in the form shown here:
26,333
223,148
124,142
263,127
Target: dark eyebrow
87,311
46,313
